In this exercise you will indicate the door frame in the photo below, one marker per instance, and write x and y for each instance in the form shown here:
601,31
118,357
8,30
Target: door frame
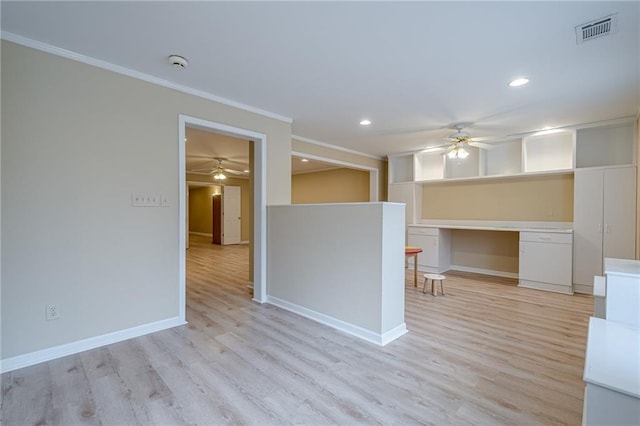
259,204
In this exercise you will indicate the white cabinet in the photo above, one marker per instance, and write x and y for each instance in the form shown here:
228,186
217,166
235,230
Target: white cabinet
409,194
436,248
545,261
604,221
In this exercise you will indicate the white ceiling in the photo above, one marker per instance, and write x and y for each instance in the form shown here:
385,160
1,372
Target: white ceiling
204,147
412,68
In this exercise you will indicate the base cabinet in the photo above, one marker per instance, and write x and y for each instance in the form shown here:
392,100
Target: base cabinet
436,248
545,261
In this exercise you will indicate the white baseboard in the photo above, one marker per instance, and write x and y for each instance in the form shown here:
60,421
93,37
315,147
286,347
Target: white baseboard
379,339
32,358
202,234
484,271
393,334
566,289
583,288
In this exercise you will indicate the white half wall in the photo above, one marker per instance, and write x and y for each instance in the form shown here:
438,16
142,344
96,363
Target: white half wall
341,265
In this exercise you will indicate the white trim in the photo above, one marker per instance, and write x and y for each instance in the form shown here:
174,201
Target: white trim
558,288
583,289
55,352
393,334
374,177
202,234
483,271
259,202
54,50
354,330
336,147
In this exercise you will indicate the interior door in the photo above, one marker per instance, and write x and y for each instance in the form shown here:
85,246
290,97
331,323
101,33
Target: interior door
231,215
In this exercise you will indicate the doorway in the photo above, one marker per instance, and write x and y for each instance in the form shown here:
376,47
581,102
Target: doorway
257,181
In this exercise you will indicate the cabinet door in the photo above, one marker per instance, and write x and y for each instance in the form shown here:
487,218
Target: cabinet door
620,213
545,262
587,225
404,193
428,259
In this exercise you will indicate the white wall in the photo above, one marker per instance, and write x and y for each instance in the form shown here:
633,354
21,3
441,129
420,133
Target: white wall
76,142
340,264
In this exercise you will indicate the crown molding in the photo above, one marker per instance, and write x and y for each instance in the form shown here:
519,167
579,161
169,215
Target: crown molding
68,54
336,147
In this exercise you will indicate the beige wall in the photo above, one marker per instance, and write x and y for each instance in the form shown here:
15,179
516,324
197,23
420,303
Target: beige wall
330,186
489,250
202,209
540,198
348,157
83,139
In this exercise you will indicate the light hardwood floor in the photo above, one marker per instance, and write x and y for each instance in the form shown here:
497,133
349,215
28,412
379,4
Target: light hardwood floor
486,353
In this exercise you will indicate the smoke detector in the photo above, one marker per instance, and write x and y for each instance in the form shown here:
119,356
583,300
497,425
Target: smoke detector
178,61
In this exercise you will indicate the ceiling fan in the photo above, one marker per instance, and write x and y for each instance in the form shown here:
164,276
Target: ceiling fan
218,172
457,142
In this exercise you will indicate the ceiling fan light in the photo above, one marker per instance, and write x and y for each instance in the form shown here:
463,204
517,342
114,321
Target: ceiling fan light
458,152
219,175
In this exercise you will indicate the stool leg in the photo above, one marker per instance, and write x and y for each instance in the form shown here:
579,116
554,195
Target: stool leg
424,287
434,290
442,286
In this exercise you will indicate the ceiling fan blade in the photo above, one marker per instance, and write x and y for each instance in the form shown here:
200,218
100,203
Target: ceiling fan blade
235,172
435,147
481,145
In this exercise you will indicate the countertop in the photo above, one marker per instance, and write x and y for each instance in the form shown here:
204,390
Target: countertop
613,357
622,266
492,225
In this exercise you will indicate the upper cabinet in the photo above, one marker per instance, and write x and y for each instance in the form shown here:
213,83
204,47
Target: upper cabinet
602,145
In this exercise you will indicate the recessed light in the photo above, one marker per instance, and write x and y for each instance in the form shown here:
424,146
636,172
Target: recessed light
246,171
304,160
365,122
517,82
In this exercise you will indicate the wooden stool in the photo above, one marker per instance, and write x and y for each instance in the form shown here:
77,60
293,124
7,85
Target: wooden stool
434,278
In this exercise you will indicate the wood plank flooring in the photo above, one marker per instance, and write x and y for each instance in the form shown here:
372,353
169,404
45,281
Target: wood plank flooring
487,353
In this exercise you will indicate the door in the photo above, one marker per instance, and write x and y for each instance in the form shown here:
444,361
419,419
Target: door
231,215
587,226
620,213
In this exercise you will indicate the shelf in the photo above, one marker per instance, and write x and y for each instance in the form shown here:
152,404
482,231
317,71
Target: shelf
607,144
495,177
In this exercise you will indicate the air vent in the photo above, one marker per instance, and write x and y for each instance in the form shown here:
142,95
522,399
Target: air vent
597,28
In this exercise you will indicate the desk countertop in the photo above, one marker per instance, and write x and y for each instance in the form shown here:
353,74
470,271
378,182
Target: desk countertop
613,357
493,225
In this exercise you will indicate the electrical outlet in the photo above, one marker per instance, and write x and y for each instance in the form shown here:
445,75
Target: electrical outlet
52,312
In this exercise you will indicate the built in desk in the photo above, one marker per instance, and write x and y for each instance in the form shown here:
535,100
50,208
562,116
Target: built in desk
545,252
